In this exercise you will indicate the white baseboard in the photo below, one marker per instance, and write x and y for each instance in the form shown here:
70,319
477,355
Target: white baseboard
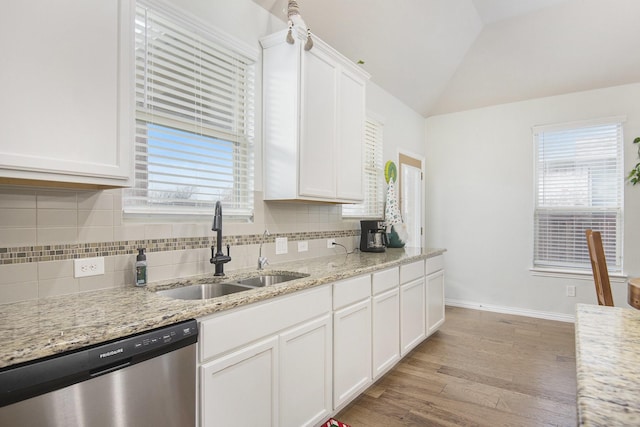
511,310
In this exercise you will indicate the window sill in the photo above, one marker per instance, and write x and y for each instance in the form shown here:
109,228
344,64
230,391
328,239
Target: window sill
573,274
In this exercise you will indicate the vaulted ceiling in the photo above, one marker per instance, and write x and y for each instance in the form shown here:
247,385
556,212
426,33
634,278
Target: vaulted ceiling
440,56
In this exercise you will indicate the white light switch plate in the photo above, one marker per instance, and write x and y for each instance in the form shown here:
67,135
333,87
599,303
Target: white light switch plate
281,245
303,246
84,267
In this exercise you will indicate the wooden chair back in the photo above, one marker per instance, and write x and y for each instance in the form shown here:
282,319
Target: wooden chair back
599,267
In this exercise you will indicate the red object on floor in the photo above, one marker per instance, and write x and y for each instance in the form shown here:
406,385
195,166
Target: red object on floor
334,423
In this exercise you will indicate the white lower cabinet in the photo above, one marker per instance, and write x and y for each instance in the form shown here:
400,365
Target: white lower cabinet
434,269
435,301
413,305
241,389
268,364
385,325
352,351
298,359
386,331
412,315
305,374
351,338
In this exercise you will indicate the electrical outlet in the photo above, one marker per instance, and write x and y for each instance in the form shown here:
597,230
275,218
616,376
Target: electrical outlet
85,267
330,242
281,245
571,291
303,246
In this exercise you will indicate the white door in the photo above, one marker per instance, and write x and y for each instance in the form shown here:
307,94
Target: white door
435,301
386,331
305,373
351,351
241,389
411,198
318,127
351,118
412,315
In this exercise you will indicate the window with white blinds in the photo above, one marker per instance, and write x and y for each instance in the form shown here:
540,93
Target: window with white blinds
578,186
194,119
373,204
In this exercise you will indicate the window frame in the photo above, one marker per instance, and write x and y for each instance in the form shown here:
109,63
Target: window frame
241,206
372,173
583,269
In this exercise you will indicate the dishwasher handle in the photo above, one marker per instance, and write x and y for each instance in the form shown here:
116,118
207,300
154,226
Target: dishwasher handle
111,368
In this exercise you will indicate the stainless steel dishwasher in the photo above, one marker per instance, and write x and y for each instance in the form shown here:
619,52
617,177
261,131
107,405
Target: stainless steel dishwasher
147,379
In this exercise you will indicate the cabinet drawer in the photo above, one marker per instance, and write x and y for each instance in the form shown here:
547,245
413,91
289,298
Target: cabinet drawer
351,290
226,331
435,264
384,280
412,271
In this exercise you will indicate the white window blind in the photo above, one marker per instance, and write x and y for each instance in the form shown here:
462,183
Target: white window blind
194,120
579,186
373,204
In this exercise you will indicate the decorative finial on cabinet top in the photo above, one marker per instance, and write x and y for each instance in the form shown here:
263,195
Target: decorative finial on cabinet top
293,10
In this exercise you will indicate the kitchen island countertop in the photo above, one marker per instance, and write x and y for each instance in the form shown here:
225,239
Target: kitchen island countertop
608,365
33,329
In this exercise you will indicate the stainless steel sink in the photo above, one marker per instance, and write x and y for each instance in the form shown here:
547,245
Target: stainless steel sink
212,290
269,279
205,291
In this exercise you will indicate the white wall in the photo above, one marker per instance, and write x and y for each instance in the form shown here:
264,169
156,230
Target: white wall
403,127
480,199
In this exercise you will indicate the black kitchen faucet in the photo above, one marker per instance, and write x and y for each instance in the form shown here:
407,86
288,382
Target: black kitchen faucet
219,259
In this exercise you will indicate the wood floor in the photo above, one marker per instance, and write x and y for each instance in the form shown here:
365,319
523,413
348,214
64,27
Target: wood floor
480,369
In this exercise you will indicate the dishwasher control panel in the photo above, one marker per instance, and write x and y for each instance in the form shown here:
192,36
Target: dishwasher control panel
156,340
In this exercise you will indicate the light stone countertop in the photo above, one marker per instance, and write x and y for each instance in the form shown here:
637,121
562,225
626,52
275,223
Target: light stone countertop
33,329
608,365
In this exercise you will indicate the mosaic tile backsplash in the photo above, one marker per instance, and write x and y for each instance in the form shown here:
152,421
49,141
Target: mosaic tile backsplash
130,247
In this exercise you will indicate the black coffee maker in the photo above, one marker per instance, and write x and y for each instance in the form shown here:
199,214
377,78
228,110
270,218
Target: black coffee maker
373,237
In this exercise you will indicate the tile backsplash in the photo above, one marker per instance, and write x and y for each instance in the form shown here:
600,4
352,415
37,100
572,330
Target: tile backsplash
43,230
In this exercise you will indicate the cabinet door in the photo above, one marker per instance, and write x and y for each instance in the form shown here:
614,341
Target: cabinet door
318,125
65,103
240,389
305,373
351,117
412,315
386,331
351,351
435,301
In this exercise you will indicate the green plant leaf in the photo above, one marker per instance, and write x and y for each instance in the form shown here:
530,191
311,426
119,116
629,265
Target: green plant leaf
634,175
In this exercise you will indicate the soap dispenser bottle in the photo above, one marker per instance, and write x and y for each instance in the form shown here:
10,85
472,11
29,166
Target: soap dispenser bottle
141,268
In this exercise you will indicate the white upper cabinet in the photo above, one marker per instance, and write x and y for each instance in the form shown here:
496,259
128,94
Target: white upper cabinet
65,108
351,119
314,114
319,116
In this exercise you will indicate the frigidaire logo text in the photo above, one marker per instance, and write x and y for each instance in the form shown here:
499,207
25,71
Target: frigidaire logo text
111,353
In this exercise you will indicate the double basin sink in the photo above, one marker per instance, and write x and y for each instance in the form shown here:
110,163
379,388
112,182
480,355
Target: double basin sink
213,290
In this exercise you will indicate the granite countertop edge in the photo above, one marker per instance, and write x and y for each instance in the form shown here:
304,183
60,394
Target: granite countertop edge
46,327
